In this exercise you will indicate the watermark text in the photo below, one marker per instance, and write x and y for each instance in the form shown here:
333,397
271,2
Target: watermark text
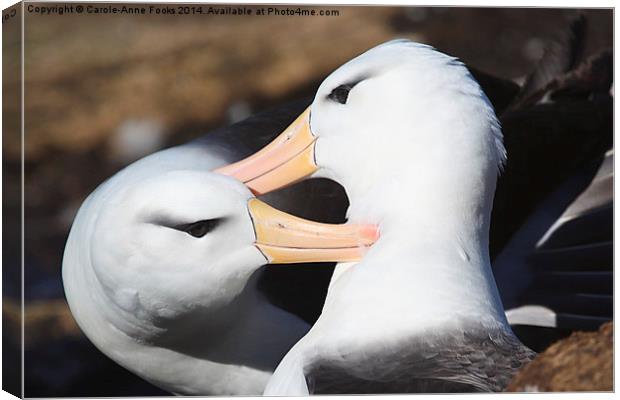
162,9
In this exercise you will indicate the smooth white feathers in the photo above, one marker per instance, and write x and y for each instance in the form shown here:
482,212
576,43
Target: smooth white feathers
288,378
412,114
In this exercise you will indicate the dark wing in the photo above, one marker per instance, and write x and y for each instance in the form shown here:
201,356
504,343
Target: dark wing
255,132
551,222
558,122
561,281
557,271
548,142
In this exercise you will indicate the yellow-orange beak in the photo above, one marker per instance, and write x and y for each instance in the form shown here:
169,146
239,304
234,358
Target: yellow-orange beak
286,160
286,239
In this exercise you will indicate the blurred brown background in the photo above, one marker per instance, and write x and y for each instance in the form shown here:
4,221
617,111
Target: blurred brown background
104,90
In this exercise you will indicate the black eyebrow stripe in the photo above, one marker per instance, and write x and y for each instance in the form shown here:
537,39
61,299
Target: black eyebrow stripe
172,223
353,83
163,220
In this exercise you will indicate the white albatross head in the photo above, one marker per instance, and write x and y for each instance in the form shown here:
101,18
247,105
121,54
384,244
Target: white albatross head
402,111
172,245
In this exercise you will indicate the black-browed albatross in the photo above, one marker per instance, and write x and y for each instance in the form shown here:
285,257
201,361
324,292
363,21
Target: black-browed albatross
372,147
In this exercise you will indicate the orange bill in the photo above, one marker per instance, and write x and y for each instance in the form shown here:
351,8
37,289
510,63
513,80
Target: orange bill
286,160
286,239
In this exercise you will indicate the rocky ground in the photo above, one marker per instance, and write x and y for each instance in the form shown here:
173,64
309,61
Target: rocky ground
581,362
104,90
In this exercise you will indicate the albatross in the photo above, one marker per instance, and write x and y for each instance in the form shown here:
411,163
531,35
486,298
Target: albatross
161,266
558,123
317,199
414,141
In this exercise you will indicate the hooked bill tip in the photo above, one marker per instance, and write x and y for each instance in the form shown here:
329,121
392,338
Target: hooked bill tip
370,233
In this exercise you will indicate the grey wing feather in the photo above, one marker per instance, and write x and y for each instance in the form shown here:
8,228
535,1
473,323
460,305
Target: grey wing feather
471,361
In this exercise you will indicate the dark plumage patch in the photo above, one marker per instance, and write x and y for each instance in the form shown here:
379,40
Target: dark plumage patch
473,360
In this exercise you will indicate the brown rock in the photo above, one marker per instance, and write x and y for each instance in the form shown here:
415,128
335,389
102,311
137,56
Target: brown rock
581,362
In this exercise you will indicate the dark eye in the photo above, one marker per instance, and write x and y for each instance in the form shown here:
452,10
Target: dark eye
341,93
200,228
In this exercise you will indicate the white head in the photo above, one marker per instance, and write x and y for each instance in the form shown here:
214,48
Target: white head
401,120
163,248
404,102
